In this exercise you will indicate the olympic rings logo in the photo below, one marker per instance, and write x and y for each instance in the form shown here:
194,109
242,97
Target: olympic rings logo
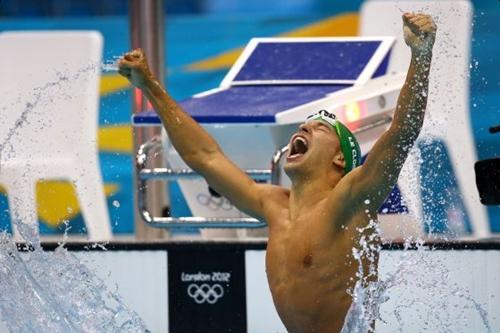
205,293
214,203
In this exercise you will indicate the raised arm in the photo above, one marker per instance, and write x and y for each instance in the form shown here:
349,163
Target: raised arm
377,176
196,147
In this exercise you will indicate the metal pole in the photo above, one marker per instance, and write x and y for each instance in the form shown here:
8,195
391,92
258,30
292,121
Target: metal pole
147,32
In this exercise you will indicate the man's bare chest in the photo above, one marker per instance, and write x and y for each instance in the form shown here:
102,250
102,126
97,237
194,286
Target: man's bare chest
306,250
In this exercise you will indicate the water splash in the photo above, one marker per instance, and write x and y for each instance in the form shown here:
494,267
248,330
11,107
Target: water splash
443,313
372,290
368,292
53,291
46,90
110,65
406,270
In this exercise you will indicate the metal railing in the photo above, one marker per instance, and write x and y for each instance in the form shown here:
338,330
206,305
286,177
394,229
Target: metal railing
144,174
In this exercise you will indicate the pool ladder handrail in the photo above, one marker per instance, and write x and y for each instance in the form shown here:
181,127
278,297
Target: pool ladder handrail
144,174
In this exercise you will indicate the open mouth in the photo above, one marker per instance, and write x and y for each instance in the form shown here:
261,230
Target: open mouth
298,147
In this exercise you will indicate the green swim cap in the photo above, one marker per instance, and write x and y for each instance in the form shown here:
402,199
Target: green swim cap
348,143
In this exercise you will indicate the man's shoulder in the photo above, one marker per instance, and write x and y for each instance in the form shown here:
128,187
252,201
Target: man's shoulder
273,195
274,191
345,185
346,193
275,201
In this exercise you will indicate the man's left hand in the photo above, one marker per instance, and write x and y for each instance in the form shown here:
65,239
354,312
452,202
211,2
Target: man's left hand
419,32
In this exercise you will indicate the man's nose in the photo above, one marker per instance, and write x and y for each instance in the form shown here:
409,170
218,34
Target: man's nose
306,127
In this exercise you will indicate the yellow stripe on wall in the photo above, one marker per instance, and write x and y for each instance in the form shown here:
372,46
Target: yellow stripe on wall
115,139
111,83
57,201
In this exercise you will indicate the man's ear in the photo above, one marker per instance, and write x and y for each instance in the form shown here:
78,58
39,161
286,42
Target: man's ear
339,161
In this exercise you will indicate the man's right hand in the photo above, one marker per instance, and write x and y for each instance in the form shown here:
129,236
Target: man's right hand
134,66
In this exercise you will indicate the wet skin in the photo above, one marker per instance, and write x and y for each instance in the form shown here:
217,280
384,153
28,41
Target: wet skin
307,266
307,259
313,225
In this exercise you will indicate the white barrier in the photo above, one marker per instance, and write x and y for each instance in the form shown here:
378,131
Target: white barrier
438,282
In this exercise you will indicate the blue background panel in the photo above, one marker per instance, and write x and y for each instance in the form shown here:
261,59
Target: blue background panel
307,61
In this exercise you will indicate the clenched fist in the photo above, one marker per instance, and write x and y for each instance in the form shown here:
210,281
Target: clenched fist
419,32
134,66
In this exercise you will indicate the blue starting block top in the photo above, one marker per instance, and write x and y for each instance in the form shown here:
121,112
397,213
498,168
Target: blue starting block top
273,75
309,61
246,104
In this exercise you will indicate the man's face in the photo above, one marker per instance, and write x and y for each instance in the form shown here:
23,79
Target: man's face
314,146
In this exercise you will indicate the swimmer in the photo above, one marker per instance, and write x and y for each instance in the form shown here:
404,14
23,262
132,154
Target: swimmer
312,226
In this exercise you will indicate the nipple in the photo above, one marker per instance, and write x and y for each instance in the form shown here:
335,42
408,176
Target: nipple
307,260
